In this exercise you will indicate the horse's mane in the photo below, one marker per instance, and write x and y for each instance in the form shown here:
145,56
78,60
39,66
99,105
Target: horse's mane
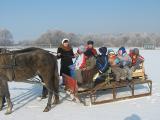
30,49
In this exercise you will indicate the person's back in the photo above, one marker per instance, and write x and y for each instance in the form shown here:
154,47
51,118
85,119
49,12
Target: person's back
102,65
102,60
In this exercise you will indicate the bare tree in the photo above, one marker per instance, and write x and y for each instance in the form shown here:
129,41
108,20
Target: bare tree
6,37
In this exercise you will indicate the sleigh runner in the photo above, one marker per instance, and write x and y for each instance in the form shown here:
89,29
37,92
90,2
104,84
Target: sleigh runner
110,85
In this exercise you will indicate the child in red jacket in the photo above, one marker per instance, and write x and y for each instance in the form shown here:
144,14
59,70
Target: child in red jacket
137,59
90,46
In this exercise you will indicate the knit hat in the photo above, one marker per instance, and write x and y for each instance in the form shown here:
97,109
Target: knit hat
65,40
136,51
110,51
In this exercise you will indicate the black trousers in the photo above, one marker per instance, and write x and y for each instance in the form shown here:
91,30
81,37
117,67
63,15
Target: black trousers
3,100
44,92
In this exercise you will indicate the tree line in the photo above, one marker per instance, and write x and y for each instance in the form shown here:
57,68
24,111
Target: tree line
54,37
6,37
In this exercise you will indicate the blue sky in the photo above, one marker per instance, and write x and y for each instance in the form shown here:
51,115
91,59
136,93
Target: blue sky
28,19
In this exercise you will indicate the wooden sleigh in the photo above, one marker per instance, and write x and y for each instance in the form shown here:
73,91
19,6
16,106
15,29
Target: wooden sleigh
111,88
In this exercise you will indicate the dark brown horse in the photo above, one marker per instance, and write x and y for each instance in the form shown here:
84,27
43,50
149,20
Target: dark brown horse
23,64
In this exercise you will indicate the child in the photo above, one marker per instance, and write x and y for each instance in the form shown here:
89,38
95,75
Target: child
125,62
115,67
137,59
102,65
90,68
79,64
90,46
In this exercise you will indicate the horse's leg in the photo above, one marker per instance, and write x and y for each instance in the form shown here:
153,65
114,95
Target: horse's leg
48,107
56,94
1,94
53,87
1,105
10,106
49,89
8,100
2,102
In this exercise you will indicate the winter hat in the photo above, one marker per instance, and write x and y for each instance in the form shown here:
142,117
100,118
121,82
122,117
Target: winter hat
110,51
136,51
103,50
90,42
89,53
131,51
81,49
65,40
122,49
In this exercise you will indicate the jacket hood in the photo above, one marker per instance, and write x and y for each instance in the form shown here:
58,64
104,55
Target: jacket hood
103,50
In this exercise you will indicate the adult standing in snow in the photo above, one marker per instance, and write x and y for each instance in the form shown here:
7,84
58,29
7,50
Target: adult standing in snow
65,53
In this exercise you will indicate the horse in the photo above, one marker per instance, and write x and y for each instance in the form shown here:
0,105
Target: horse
21,65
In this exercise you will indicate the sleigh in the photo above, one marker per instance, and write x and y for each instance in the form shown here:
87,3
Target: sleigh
110,90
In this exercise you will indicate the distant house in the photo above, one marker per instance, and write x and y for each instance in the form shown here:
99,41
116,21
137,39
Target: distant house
149,46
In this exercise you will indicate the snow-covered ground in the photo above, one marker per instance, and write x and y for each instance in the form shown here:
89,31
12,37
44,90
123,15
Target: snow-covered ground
27,107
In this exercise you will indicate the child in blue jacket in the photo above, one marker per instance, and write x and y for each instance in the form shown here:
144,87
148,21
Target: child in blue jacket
102,65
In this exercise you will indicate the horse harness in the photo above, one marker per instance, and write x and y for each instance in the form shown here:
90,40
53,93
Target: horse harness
12,66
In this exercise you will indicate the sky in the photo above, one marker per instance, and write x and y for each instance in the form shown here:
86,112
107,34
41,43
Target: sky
28,19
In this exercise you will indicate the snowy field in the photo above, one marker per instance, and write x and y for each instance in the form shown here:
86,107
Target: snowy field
27,107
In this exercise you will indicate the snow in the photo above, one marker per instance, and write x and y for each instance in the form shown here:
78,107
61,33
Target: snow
27,107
